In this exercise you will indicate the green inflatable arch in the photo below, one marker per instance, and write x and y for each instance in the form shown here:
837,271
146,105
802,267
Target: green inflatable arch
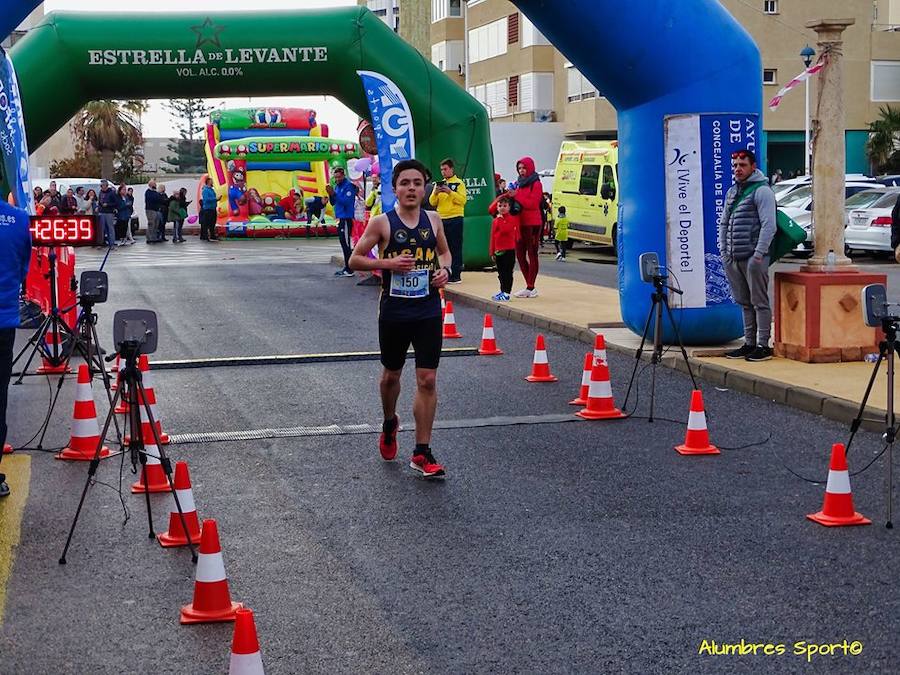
72,58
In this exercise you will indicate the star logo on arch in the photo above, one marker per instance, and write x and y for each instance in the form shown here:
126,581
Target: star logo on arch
207,32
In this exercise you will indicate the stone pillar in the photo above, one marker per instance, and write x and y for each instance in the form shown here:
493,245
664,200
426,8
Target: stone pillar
829,165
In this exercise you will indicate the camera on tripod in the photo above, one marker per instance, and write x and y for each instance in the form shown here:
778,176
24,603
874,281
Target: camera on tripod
135,331
650,269
876,308
94,286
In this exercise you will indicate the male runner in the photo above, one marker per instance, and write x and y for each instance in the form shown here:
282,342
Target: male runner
414,255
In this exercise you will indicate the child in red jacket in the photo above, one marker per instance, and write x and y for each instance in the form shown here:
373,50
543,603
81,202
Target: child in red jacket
504,235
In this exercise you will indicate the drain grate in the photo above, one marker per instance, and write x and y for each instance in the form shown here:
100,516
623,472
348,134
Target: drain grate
351,429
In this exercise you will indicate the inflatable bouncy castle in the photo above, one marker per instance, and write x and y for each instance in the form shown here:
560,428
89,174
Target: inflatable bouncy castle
269,169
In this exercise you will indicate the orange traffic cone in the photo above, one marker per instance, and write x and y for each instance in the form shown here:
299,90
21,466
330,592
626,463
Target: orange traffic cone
600,349
176,536
245,656
212,600
7,448
144,365
696,440
600,404
585,381
156,477
46,368
450,323
118,373
540,366
838,506
85,430
488,342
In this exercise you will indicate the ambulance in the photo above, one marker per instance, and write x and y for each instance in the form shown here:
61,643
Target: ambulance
586,182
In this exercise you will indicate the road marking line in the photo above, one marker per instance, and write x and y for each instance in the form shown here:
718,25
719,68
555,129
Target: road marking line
18,472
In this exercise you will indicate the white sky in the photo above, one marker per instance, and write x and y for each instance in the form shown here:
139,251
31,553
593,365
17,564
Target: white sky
340,119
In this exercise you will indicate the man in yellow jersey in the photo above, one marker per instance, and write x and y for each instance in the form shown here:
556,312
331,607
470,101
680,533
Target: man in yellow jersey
415,260
449,197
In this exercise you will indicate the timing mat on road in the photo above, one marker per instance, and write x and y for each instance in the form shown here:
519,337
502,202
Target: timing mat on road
352,429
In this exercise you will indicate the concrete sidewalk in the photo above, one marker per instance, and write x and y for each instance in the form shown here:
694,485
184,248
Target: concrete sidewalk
580,310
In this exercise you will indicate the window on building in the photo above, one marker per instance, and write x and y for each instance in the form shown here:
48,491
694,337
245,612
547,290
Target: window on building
512,95
770,6
885,81
494,96
512,28
536,92
488,41
590,175
770,76
447,55
443,9
578,86
531,36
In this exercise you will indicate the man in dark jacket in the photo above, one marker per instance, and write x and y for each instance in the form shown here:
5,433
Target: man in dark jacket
15,251
108,204
151,208
746,229
343,197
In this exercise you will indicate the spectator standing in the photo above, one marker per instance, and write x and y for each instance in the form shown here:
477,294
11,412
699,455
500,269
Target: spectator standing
746,229
528,192
151,208
895,228
15,251
373,201
68,205
80,200
55,197
38,194
90,203
178,204
449,197
132,221
343,195
502,248
124,209
163,204
108,207
561,234
208,201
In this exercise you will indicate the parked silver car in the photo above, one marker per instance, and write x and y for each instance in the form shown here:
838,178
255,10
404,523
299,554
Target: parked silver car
798,205
868,227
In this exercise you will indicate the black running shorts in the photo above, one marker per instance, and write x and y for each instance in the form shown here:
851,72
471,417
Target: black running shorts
425,335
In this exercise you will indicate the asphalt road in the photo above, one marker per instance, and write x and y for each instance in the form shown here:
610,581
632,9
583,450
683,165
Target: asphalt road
551,547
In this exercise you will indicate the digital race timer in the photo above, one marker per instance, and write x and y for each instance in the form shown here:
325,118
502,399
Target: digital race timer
65,231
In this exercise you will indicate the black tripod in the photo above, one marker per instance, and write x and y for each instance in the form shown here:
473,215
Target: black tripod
132,390
887,348
659,300
55,354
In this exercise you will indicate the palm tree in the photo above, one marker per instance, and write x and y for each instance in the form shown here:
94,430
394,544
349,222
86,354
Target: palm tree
106,126
883,146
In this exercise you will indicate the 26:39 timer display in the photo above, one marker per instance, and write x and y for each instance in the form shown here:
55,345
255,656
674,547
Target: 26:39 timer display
63,231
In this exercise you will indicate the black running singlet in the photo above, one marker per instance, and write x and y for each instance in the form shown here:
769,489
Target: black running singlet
409,296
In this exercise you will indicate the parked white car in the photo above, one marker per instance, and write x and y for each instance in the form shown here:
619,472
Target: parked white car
786,187
798,205
868,228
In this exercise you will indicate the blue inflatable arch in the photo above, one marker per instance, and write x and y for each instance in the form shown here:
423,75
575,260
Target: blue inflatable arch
653,58
650,58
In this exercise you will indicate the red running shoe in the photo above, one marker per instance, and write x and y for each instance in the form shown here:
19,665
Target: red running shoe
427,465
387,443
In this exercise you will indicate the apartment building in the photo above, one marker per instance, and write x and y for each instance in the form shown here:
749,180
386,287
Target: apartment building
410,19
492,49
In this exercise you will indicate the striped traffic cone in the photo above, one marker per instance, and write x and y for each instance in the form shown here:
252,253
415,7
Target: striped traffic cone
585,381
696,439
117,372
245,656
600,404
147,377
488,341
46,367
600,349
156,477
212,600
450,330
838,509
175,535
85,431
540,366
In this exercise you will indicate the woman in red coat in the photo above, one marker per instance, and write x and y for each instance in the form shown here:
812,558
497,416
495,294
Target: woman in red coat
528,193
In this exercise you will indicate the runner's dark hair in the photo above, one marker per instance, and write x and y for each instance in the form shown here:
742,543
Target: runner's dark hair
407,164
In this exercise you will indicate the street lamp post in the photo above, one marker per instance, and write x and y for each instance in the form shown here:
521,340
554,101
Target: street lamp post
807,54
